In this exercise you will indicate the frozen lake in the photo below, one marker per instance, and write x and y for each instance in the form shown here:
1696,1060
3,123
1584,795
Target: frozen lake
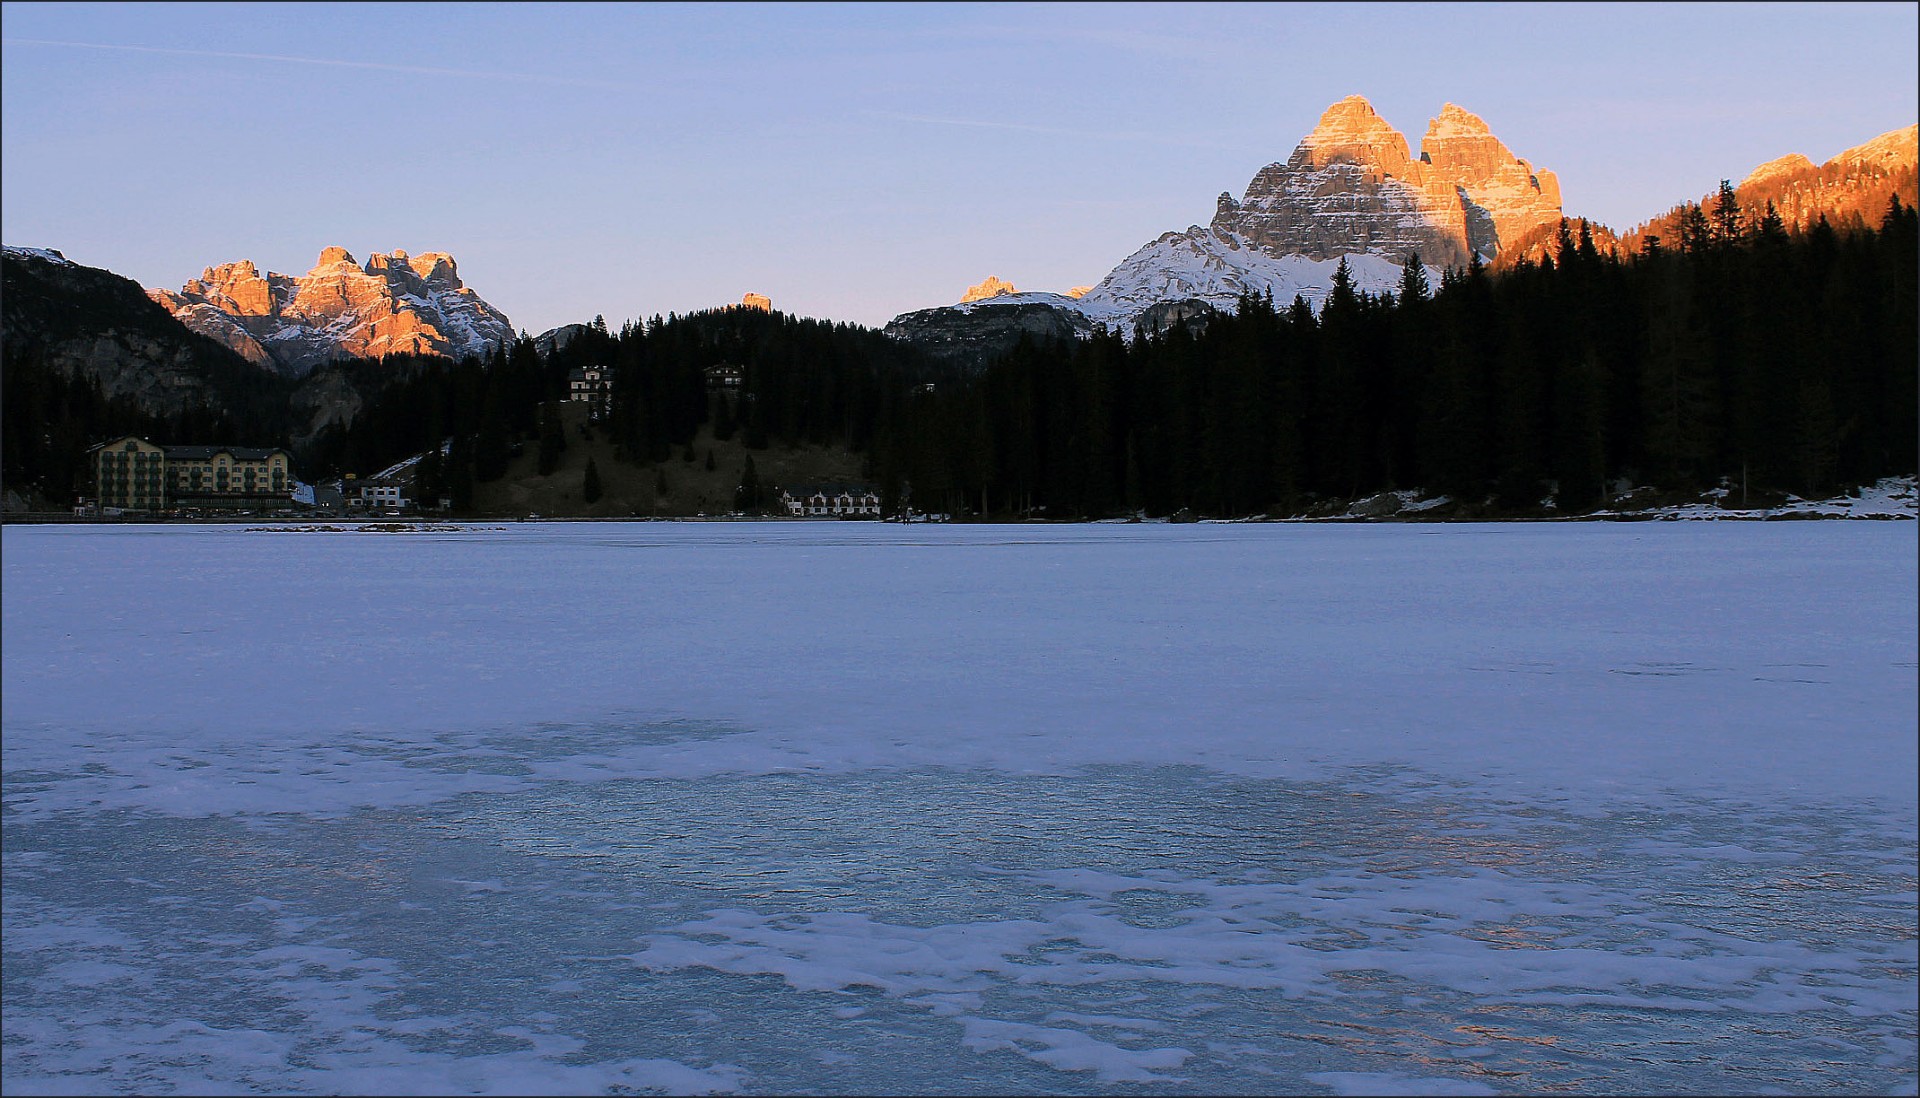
850,808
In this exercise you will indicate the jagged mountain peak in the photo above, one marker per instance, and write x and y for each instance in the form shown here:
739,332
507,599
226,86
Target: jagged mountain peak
993,286
1455,119
396,303
1352,131
1351,190
333,257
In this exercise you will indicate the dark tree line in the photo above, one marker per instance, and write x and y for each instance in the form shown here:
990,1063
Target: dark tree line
1783,362
49,420
1737,350
468,417
803,382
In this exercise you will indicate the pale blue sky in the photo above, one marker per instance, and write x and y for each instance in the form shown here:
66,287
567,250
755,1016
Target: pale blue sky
850,161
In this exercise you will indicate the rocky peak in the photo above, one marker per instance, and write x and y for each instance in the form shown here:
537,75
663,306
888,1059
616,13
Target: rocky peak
395,304
1349,191
238,288
1790,164
1352,131
757,301
1351,187
434,268
1463,153
992,287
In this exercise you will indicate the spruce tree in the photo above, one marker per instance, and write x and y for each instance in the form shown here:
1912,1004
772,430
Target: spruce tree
553,439
1413,280
747,496
1726,215
590,484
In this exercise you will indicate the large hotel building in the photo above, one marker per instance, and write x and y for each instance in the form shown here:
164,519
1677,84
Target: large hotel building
133,474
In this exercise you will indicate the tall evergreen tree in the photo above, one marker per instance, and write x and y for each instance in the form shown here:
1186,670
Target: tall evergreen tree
590,487
748,496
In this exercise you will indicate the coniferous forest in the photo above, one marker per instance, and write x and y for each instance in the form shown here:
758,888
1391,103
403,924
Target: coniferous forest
1785,363
1736,353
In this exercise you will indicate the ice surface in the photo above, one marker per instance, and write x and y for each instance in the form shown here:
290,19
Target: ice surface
576,808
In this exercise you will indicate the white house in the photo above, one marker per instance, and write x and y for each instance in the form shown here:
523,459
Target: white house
830,500
379,494
592,386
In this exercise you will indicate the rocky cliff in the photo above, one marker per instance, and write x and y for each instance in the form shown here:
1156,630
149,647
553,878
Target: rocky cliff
394,304
1352,190
992,287
87,322
1851,188
971,334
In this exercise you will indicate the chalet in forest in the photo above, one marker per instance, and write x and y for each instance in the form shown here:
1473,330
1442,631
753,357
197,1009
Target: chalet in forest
592,386
724,378
133,474
830,500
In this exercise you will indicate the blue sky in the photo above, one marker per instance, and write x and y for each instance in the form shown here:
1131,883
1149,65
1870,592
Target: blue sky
849,161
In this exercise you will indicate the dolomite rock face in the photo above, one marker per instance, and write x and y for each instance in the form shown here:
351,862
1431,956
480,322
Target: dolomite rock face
1890,151
1778,168
395,304
757,301
992,287
1857,183
1352,190
1352,187
1465,156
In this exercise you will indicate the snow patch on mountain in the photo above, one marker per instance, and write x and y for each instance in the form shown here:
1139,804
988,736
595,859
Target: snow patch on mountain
1207,265
47,254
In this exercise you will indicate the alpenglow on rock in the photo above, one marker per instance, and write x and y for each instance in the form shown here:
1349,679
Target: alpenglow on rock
1352,191
395,304
992,287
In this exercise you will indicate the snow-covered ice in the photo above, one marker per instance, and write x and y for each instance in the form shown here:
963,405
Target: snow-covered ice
700,807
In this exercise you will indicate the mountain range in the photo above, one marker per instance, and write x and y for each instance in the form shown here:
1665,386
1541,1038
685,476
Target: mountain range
1352,192
395,304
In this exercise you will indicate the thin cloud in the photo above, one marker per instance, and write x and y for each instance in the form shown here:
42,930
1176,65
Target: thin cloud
1056,131
418,70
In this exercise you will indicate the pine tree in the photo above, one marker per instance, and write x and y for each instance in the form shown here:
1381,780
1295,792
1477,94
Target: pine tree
590,484
747,496
1692,228
1413,280
1726,215
553,439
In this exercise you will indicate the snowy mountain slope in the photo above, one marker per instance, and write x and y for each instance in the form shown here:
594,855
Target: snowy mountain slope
1351,189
